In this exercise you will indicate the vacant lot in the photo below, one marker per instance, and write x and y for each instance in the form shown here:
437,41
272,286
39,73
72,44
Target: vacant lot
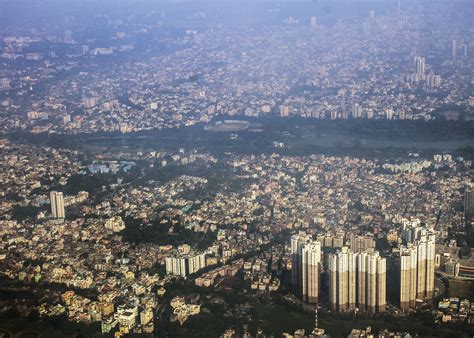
461,289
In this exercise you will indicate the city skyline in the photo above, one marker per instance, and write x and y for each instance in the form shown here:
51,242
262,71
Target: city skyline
236,169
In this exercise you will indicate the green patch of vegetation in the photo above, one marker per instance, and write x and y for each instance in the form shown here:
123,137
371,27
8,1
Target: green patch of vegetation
276,319
52,327
22,213
158,233
422,324
89,183
460,288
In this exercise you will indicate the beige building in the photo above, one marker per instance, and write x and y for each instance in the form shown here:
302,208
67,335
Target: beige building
57,204
362,243
297,243
306,259
376,283
310,271
417,264
342,280
357,279
185,264
408,260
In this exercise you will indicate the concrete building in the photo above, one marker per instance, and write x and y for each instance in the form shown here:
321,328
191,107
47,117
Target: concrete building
371,282
357,279
306,258
310,271
454,49
469,202
297,243
376,283
362,243
356,111
362,279
417,264
408,260
184,265
314,24
411,230
420,65
342,280
57,204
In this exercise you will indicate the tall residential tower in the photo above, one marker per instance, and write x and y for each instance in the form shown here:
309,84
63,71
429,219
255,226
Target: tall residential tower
57,204
357,280
417,264
306,258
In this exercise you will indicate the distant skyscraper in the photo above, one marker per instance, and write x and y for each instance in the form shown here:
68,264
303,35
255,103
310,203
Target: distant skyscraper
314,23
464,47
372,14
399,8
356,111
469,202
420,65
57,204
306,258
284,111
433,81
454,49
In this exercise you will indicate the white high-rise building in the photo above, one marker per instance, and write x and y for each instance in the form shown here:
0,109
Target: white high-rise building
314,24
176,266
464,48
411,230
362,280
196,262
356,111
297,243
376,288
430,264
408,260
433,81
420,65
342,280
310,271
185,264
306,259
362,243
357,279
57,204
454,49
417,263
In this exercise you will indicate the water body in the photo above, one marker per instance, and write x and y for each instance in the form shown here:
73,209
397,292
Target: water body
293,136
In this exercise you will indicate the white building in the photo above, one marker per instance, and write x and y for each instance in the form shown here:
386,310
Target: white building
57,204
184,265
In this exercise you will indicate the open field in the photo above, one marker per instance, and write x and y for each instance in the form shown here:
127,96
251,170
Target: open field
461,288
